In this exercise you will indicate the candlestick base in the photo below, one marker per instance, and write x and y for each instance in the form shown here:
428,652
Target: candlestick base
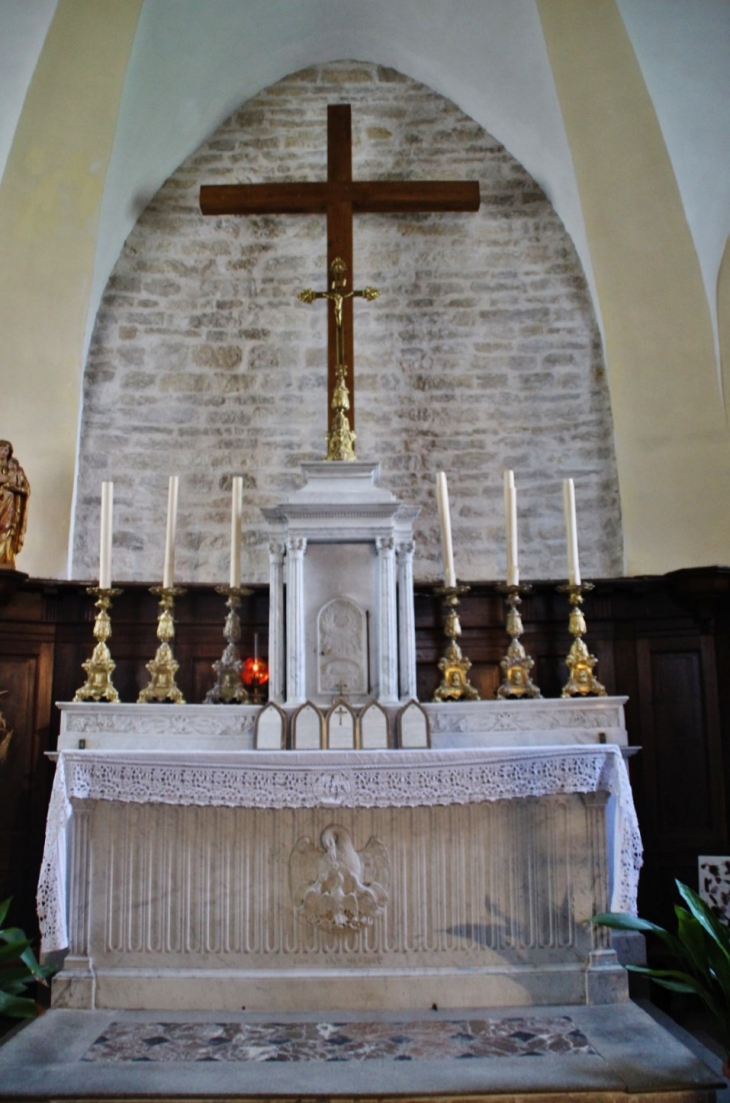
164,666
99,685
516,664
454,666
228,688
579,661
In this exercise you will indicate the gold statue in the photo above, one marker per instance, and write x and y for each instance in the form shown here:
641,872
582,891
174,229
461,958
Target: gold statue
341,438
14,494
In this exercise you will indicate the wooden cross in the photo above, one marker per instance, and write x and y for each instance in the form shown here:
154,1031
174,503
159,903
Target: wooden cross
340,197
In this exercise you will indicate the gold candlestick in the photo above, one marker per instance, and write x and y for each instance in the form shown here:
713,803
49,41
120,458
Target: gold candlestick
229,688
454,666
164,666
99,667
516,664
582,681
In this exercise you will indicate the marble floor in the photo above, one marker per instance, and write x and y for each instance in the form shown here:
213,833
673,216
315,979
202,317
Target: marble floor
604,1054
338,1041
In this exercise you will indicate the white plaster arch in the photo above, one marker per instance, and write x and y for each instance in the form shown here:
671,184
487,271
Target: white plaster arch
192,64
683,52
24,29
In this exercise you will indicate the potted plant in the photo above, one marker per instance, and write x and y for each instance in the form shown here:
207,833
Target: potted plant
701,949
18,969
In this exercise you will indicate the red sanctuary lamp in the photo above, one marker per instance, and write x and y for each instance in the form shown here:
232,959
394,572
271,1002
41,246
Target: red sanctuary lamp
255,674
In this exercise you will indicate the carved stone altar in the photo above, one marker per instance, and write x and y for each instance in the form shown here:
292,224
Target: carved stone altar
184,869
337,879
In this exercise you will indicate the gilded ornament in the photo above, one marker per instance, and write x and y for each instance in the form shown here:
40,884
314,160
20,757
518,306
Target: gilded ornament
98,685
579,661
516,664
14,495
454,666
228,688
164,666
341,437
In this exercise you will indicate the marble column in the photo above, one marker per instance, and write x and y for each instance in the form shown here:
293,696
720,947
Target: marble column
276,621
406,621
295,637
387,622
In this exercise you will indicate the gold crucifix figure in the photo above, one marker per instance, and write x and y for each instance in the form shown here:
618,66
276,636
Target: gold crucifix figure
341,437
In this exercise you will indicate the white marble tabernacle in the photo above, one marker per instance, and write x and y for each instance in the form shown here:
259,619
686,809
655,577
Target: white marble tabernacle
341,589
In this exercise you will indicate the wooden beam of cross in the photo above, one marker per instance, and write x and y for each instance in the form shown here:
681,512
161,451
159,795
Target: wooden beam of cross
339,198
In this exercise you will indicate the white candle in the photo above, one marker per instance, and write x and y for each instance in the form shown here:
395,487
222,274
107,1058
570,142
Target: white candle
447,549
105,539
571,532
510,518
236,510
168,573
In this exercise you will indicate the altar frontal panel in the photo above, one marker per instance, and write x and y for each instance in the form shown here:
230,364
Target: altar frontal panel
208,907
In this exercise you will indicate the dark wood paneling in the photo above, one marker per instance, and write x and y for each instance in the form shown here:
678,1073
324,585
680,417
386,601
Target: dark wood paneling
681,747
26,666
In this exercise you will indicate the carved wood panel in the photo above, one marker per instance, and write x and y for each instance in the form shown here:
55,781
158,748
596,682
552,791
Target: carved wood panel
25,674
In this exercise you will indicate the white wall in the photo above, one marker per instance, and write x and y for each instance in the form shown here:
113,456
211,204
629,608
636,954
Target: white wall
23,28
684,53
488,58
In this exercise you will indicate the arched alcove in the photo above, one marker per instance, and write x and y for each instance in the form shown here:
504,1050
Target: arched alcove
482,352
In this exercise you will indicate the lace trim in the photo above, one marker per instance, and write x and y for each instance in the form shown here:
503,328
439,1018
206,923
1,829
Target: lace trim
336,779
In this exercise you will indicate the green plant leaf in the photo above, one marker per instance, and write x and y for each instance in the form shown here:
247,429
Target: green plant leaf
701,948
13,950
12,934
14,987
4,906
18,1007
674,985
40,972
674,979
622,921
693,938
656,974
14,937
18,969
716,929
9,973
716,940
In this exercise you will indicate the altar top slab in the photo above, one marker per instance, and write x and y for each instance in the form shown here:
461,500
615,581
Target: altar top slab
104,726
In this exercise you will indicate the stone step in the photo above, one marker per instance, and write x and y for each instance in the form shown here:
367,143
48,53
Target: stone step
560,1054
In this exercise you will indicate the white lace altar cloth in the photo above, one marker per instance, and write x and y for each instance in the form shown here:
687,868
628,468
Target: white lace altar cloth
310,779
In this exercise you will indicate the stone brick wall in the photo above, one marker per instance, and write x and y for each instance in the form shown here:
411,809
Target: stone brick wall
482,352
